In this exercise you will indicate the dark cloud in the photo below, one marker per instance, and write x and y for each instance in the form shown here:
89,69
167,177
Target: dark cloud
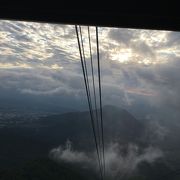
142,48
121,35
173,38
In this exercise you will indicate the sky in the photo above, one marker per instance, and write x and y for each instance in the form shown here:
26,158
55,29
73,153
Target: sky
140,69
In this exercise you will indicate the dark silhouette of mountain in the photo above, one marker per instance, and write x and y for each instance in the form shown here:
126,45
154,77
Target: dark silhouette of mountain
22,143
119,126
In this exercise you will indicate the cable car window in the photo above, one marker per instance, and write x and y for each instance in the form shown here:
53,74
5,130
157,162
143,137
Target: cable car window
80,102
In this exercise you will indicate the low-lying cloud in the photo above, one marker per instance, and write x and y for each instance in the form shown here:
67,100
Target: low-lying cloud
118,162
69,155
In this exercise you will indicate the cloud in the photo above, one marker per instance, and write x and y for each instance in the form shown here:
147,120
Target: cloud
121,35
118,163
155,131
137,66
37,40
42,60
67,154
140,91
13,66
140,47
54,91
164,81
144,47
173,38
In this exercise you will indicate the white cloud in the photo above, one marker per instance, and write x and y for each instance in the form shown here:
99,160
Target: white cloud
69,155
117,163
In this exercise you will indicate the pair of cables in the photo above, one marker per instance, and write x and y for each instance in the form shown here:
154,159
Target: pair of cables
96,120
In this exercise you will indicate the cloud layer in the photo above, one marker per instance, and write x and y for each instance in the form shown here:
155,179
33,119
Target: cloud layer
117,162
138,67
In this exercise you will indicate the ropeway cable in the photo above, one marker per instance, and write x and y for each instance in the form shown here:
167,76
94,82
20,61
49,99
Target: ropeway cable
84,68
100,100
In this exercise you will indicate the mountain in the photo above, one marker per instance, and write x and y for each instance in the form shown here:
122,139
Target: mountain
39,137
119,126
25,147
